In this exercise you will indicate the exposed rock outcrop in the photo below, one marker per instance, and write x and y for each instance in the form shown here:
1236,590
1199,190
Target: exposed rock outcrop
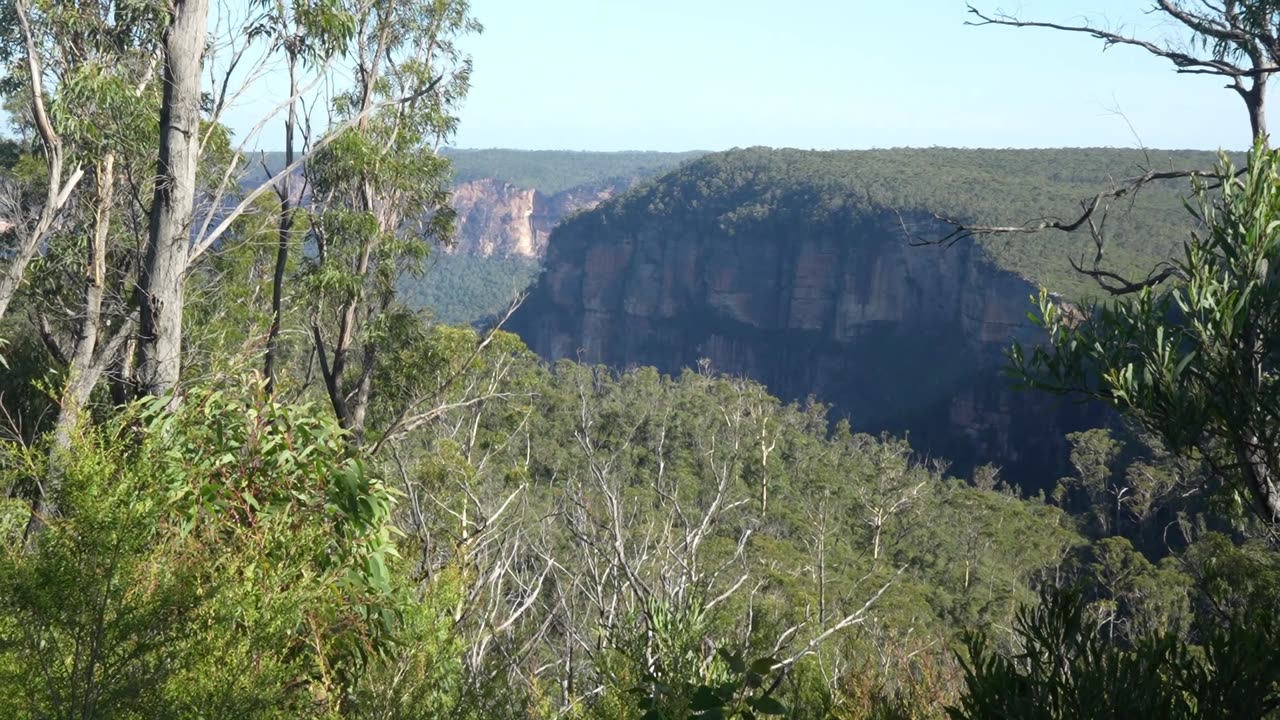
841,307
499,219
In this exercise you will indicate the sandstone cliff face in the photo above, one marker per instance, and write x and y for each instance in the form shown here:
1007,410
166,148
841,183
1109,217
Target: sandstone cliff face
496,218
898,338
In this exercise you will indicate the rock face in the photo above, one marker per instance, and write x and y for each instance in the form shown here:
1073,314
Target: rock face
898,338
498,219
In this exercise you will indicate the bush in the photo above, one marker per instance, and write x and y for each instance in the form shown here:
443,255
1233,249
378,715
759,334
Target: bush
1067,669
231,558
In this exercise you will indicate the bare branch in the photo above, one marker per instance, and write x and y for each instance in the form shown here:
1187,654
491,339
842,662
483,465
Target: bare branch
1180,59
1118,285
962,230
854,618
407,419
57,192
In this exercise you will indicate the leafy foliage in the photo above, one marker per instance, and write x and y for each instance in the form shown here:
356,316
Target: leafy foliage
1194,364
767,189
1067,669
465,289
236,560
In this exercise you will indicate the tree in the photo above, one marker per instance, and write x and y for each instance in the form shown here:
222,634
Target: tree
1093,456
32,231
1234,39
1196,364
307,33
380,190
160,285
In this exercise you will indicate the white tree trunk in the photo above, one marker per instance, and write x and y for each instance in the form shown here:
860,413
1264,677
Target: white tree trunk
161,283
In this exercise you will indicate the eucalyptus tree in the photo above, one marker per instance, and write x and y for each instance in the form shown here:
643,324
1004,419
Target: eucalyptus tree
1186,350
309,34
379,190
127,177
160,284
88,77
1195,365
1236,40
25,78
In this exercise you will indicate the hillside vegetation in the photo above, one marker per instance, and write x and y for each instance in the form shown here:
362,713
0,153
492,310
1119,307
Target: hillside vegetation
1004,187
998,187
241,478
467,289
551,171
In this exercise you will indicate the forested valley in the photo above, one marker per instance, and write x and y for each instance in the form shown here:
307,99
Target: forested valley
250,472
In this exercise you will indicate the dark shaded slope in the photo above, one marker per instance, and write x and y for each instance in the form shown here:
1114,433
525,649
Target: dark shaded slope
792,267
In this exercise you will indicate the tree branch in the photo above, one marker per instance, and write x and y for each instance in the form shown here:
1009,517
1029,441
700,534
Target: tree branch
1178,58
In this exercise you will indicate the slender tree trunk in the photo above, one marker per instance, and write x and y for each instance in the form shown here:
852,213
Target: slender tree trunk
120,375
822,570
1255,99
1260,476
12,278
55,192
285,232
83,371
84,366
161,282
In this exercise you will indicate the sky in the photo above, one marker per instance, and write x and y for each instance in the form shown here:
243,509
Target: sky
712,74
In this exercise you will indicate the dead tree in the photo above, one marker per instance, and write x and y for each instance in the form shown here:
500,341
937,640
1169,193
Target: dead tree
1236,40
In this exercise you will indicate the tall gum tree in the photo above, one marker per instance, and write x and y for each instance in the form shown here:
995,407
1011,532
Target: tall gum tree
160,286
380,190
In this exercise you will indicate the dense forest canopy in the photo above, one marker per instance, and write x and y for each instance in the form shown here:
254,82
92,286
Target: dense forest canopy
547,171
552,171
466,289
996,186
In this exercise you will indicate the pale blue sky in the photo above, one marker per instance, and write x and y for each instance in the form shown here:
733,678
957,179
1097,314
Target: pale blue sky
713,74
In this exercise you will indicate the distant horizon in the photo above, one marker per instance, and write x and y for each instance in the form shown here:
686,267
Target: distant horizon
840,149
828,75
586,76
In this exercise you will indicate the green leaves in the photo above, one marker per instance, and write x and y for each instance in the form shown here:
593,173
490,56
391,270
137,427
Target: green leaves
740,690
1195,362
1068,669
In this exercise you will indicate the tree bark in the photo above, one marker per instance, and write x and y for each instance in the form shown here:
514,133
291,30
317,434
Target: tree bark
1256,102
83,372
285,233
168,240
57,191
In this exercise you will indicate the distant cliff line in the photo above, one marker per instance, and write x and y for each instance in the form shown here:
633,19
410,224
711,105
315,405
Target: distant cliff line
508,201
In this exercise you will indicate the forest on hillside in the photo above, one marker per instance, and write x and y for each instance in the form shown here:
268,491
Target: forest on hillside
243,478
553,171
842,188
998,187
471,290
547,171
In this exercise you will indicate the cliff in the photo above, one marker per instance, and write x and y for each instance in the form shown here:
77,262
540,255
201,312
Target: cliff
498,219
784,266
508,201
